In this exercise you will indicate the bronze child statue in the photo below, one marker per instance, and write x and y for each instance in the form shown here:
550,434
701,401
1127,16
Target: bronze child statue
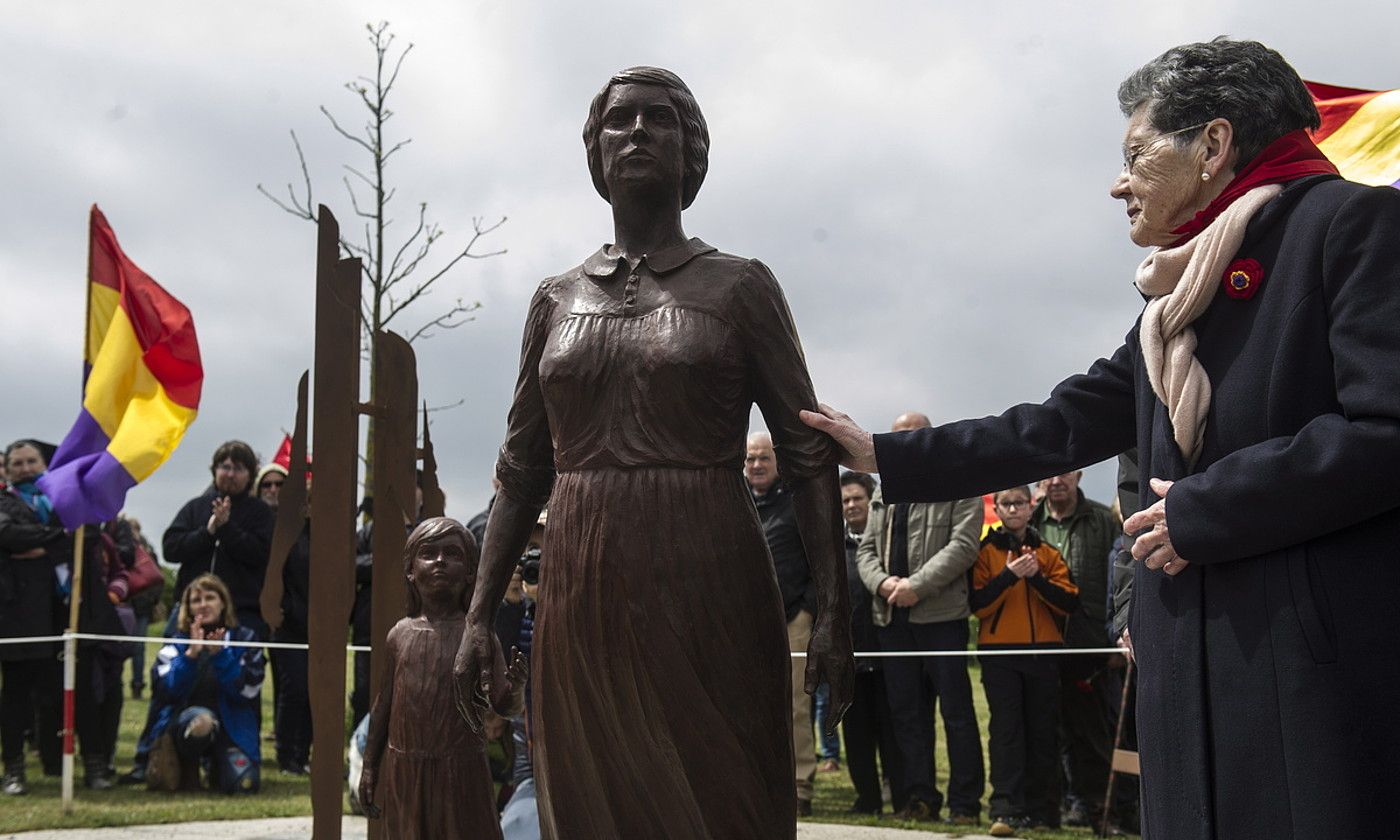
436,782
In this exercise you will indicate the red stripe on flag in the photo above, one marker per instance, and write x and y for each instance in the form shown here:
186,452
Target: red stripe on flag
163,325
1336,105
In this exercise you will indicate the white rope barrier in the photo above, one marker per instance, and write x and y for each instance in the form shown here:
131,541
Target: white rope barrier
872,654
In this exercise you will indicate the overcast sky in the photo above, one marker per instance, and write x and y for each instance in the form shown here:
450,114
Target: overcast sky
927,180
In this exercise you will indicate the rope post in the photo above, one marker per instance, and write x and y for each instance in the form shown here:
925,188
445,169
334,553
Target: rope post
70,666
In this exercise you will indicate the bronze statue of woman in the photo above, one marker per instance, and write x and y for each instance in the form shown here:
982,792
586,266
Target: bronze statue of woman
660,683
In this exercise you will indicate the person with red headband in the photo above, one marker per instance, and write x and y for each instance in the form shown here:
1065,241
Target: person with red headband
1261,386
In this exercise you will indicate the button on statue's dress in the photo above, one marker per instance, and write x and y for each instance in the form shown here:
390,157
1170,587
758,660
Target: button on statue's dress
661,706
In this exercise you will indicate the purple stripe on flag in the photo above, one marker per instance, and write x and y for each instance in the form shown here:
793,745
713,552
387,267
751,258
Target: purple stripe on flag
85,438
85,483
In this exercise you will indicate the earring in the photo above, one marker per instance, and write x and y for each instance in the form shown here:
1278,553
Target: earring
1205,176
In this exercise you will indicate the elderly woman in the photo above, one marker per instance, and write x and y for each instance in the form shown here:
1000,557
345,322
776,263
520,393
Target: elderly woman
660,697
1261,386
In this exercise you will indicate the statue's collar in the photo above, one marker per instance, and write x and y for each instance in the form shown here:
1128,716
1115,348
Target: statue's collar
604,263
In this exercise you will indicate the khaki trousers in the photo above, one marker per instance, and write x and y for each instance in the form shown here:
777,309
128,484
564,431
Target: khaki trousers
804,746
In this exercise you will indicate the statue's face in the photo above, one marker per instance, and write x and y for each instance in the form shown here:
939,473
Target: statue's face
641,140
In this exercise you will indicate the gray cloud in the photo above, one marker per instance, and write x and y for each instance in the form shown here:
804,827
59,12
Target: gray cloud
929,183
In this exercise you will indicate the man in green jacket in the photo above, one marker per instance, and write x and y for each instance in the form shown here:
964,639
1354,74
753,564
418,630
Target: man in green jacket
914,560
1083,530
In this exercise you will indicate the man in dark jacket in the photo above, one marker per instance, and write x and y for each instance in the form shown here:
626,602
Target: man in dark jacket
227,531
779,519
914,561
868,727
1083,530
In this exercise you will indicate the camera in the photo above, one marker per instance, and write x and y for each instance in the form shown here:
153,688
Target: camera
530,566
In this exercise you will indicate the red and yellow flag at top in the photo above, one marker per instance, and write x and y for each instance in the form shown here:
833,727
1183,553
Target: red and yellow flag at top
1360,132
142,377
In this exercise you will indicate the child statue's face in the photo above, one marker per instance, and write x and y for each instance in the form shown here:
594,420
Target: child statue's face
440,569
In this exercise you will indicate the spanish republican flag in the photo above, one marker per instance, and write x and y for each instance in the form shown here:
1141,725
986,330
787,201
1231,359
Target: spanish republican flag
141,382
1360,132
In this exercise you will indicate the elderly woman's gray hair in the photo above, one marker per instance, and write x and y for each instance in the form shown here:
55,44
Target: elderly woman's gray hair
1244,82
694,131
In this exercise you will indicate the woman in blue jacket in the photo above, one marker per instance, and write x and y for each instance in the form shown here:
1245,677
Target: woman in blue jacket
209,695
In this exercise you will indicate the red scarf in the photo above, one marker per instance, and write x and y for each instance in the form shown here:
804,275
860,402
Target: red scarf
1294,155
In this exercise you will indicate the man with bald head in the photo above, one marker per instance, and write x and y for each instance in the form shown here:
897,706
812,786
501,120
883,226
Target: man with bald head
914,558
779,518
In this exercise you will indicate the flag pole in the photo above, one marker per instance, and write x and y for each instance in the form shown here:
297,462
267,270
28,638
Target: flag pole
70,644
70,667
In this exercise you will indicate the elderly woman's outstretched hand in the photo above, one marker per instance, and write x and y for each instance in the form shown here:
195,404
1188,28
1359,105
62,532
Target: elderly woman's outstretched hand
1154,547
857,445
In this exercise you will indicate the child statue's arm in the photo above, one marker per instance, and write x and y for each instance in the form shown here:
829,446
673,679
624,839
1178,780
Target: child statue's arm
378,736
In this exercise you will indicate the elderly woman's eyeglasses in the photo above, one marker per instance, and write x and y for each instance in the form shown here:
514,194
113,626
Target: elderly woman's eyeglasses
1131,155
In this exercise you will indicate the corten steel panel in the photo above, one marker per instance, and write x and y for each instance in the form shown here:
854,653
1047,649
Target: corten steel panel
291,516
395,455
335,425
434,502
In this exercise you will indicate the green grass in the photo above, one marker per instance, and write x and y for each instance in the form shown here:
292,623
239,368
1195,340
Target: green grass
834,792
284,795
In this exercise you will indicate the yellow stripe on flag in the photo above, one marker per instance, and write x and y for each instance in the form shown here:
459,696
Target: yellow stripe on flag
103,302
142,422
1366,148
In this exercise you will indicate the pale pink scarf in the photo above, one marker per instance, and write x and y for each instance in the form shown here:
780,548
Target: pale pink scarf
1182,282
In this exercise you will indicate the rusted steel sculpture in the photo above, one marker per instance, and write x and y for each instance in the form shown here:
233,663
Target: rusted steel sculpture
434,502
393,492
335,421
291,517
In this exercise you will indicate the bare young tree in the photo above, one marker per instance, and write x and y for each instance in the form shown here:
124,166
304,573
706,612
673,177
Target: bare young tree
396,276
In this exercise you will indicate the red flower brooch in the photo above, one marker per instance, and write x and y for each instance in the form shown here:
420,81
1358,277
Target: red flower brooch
1243,278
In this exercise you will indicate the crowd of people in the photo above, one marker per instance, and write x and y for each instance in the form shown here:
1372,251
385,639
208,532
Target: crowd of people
1037,575
917,573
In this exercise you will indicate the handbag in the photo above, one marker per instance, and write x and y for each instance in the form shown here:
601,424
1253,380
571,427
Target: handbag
144,572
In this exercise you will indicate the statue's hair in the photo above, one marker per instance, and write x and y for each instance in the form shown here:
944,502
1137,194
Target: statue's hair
695,134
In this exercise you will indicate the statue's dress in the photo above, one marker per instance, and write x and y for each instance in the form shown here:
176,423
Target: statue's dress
660,698
434,781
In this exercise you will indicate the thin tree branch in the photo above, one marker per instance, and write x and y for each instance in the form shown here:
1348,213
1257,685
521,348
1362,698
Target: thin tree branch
445,321
343,133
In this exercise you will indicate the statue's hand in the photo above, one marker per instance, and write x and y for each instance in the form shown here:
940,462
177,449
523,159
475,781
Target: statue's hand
368,778
829,661
472,672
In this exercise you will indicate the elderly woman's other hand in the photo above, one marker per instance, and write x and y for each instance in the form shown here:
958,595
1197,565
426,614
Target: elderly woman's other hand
1154,545
857,445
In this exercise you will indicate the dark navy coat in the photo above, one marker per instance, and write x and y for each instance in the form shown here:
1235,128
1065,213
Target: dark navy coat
1269,694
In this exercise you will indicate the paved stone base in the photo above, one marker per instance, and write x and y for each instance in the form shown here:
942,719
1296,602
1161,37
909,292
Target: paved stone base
353,828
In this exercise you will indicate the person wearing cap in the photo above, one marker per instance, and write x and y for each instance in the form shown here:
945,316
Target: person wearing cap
269,483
